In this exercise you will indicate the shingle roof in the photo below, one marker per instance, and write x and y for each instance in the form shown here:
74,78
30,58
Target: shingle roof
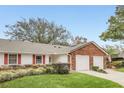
15,46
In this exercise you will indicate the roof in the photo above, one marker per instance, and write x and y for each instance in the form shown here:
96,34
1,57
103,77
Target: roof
16,46
121,54
85,44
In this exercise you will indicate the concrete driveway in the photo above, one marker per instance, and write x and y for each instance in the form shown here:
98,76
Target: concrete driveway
112,75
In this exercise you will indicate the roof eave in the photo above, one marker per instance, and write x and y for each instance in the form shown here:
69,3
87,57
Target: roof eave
88,44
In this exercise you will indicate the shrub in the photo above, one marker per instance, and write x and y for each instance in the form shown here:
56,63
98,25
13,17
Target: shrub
61,68
38,72
95,68
4,67
20,73
63,71
34,72
117,64
50,70
28,65
122,63
35,66
108,65
43,70
15,67
16,72
6,76
10,75
30,72
102,71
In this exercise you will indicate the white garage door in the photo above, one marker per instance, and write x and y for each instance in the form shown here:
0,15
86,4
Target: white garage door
82,62
98,61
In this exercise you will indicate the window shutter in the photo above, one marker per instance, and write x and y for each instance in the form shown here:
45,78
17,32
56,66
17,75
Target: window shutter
43,59
33,59
5,58
19,58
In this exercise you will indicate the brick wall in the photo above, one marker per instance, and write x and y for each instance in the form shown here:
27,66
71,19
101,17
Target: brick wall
90,50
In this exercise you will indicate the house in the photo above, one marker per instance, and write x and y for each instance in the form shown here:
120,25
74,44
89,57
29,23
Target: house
80,57
119,56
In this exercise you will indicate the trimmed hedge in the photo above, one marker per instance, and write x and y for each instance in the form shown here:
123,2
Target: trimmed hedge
58,68
13,72
61,68
15,67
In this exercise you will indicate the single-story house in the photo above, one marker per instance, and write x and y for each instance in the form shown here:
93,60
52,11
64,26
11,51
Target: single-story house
118,57
80,57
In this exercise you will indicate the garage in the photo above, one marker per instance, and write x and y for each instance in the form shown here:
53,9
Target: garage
98,61
86,55
82,62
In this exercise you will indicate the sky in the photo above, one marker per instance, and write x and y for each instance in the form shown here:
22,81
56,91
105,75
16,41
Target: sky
85,21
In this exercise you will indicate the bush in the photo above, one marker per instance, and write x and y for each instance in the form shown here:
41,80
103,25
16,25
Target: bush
95,68
117,64
38,72
34,72
28,65
12,67
11,73
102,71
50,70
36,66
58,68
61,68
43,70
122,63
4,67
6,76
108,65
20,73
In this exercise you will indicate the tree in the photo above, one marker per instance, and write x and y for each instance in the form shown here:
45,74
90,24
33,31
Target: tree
38,30
112,50
78,40
115,29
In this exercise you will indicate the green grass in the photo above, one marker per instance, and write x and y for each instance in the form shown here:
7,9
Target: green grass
74,80
120,69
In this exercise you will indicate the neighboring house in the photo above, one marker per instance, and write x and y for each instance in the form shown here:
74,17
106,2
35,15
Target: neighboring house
119,56
80,57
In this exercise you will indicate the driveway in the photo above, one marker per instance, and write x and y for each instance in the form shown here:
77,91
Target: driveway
112,75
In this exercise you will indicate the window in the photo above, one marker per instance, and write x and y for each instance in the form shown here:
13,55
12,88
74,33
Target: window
12,58
38,59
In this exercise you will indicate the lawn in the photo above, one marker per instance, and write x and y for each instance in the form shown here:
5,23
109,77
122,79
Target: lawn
73,80
120,69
